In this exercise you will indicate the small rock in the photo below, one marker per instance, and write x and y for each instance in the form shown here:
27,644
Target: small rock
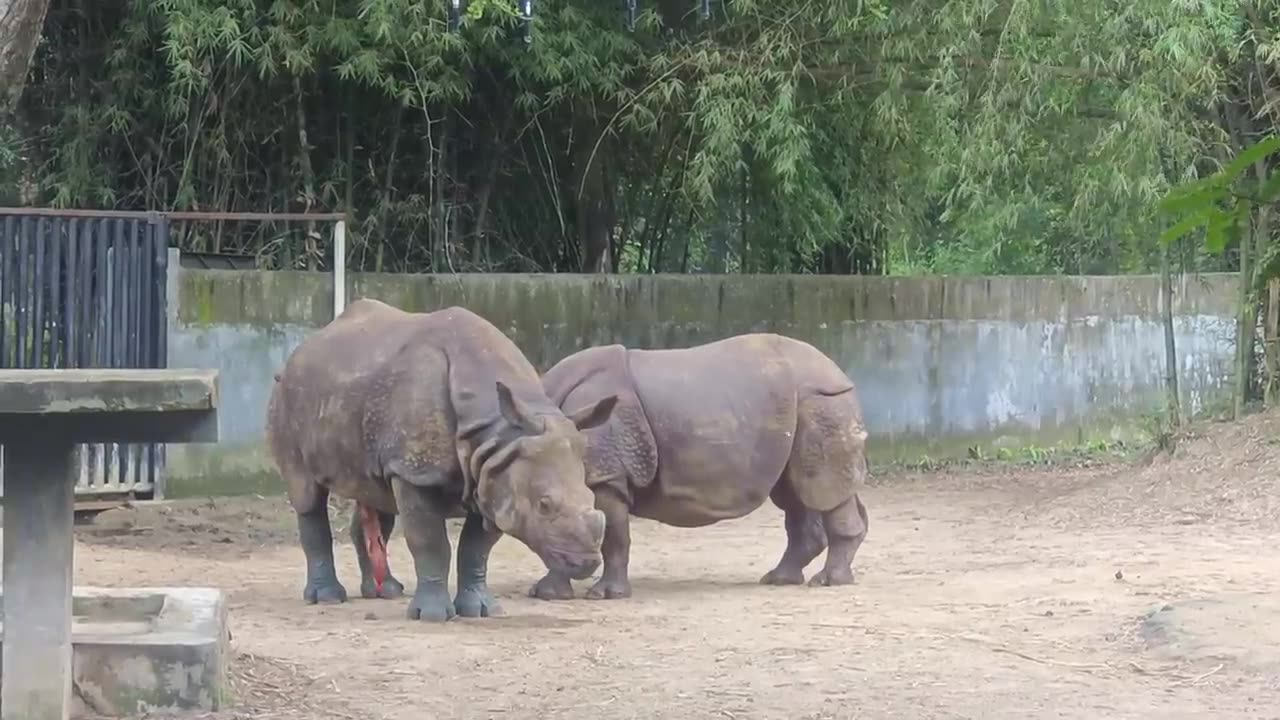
1166,607
1119,575
370,616
1048,613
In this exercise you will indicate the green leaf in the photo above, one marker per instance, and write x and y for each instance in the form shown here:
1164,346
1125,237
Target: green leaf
1188,224
1194,195
1226,227
1250,155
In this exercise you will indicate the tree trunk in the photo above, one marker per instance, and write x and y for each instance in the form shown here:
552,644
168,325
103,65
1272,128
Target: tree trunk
439,214
479,246
308,174
1245,328
21,24
1270,335
1170,347
388,179
591,201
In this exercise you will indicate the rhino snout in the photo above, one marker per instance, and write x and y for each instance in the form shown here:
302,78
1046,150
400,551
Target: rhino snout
577,567
580,555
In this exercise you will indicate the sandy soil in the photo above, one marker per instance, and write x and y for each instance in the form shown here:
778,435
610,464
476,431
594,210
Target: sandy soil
1121,591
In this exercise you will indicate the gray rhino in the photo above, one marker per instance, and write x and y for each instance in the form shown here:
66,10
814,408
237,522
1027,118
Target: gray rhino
706,433
430,415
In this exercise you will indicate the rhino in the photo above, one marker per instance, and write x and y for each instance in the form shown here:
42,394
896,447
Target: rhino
704,434
430,416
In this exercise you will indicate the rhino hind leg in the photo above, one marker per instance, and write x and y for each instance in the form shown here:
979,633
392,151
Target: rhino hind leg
316,538
846,526
806,538
825,470
474,599
391,587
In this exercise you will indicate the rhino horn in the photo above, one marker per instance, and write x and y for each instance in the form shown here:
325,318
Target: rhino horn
587,418
515,412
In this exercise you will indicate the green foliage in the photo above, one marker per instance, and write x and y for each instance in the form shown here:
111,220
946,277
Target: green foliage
974,136
1223,202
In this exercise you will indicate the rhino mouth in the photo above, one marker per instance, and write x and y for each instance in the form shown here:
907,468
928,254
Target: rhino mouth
578,566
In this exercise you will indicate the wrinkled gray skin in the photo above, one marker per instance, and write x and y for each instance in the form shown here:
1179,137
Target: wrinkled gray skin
705,434
431,415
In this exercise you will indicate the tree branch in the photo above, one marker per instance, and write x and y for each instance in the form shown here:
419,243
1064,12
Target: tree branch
21,25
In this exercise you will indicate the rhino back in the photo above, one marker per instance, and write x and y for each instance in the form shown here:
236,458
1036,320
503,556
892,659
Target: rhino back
316,416
813,370
621,452
380,391
723,416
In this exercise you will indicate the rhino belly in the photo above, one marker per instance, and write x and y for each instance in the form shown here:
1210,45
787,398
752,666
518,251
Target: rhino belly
696,502
723,425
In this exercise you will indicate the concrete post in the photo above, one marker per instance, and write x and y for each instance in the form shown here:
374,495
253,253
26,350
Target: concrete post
173,286
38,543
339,268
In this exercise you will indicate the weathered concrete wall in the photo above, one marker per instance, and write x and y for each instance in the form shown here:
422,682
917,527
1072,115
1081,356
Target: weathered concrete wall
941,363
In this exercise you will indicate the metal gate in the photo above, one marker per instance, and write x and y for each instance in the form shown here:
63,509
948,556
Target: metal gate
79,291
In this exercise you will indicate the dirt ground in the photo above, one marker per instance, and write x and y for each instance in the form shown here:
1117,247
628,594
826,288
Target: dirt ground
1129,590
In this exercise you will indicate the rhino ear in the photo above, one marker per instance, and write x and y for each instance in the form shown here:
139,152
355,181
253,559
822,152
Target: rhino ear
587,418
514,411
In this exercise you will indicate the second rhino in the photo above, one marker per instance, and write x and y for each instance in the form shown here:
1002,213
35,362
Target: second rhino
707,433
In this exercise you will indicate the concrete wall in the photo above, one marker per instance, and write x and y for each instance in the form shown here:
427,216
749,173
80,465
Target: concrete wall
941,363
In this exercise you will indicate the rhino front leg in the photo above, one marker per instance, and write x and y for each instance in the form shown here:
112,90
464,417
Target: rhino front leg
423,513
474,543
316,538
846,527
391,587
552,586
616,548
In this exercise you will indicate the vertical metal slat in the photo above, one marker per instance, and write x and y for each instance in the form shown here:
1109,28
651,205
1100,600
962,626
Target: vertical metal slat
21,300
57,328
40,284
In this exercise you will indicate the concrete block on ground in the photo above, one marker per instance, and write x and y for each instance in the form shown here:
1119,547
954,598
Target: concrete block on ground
138,650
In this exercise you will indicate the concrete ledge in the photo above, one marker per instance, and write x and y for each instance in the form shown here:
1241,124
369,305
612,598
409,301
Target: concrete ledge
46,392
100,405
139,650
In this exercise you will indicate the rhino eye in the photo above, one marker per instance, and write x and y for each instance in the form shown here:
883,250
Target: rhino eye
545,505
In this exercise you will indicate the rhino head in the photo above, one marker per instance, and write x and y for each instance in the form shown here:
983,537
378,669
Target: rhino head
531,483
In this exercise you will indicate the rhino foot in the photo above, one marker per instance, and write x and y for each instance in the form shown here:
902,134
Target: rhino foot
610,590
473,602
391,589
324,593
431,604
552,587
831,578
783,576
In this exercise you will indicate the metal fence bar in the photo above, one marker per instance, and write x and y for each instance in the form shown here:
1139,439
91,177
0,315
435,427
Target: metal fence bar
186,215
